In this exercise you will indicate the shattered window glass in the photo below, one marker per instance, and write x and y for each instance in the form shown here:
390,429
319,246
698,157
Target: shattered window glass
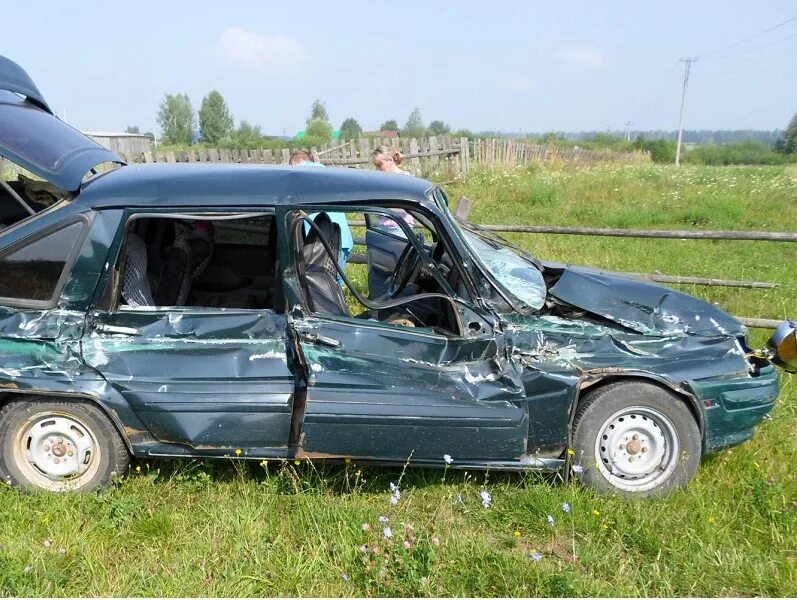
519,277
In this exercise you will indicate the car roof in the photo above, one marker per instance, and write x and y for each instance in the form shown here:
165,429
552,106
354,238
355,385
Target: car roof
205,185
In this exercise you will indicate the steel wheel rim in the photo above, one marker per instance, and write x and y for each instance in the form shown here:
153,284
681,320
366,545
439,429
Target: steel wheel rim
56,451
637,448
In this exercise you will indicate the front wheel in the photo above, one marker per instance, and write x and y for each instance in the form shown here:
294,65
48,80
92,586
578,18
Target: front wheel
636,439
59,446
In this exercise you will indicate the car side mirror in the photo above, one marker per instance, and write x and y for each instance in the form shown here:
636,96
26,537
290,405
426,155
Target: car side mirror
783,346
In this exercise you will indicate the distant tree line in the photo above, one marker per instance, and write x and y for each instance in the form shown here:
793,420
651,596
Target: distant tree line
216,127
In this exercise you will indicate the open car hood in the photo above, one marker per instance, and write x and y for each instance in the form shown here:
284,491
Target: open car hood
32,137
641,306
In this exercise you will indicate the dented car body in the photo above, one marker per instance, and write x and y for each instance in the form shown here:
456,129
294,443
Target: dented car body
464,348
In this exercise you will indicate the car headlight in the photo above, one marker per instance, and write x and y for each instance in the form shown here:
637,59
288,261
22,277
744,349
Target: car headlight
783,346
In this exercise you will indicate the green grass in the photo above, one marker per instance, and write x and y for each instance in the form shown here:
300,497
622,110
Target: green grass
231,529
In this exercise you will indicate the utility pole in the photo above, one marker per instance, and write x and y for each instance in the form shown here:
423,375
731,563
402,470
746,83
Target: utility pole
628,131
687,68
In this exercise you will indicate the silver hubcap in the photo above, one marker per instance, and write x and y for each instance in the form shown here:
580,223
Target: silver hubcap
637,448
56,452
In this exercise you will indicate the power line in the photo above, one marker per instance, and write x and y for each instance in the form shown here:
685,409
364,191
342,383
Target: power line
783,39
747,39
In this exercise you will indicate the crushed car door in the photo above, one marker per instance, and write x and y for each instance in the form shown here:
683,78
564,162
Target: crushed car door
395,392
209,378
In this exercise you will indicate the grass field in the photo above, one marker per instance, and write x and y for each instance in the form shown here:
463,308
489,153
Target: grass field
232,529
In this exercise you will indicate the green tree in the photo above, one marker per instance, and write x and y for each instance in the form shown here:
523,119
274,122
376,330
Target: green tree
438,128
215,120
414,126
466,133
389,125
350,129
132,129
318,132
177,119
790,137
246,136
318,111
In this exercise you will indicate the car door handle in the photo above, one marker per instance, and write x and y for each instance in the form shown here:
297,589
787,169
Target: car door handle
314,338
105,328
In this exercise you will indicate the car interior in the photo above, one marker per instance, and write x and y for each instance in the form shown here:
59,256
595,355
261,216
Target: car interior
402,288
218,263
23,197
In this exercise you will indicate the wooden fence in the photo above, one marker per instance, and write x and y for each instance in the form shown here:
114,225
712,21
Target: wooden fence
463,210
441,156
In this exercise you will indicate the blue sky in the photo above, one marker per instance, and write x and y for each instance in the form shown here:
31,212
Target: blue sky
510,66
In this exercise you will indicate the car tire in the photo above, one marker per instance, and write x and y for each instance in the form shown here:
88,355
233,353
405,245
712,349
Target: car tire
635,439
59,446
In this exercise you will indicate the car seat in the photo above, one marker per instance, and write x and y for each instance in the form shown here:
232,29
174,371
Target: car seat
136,290
323,290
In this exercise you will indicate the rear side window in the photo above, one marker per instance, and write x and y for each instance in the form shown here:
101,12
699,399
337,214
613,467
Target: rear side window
31,273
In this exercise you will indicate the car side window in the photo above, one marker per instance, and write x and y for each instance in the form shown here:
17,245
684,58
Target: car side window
31,273
198,262
391,281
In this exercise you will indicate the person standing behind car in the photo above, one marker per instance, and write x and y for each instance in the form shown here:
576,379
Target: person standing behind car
303,158
387,160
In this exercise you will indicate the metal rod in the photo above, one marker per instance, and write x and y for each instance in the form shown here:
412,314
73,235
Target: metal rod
17,197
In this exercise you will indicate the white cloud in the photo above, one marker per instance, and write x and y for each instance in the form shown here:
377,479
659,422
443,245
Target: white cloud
584,55
259,52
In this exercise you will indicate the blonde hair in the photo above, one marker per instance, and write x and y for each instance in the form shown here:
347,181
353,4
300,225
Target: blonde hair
384,153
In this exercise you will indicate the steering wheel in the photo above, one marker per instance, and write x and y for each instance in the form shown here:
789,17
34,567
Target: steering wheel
408,267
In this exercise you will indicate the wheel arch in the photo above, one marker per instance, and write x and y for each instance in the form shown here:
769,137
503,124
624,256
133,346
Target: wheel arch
6,397
591,382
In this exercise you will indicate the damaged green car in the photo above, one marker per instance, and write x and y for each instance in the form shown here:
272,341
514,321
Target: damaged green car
212,311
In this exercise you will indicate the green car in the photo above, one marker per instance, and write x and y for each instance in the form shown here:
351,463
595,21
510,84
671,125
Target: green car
208,310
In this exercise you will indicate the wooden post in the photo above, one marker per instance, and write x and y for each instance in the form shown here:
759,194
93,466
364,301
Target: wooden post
463,208
365,150
416,162
464,159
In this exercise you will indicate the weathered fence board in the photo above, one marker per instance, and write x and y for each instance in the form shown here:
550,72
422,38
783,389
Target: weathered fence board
678,234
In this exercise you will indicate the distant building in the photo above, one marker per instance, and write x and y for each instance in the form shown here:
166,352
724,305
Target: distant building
391,135
121,142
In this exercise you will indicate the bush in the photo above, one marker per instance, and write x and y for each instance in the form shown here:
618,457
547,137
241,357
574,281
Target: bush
661,151
739,153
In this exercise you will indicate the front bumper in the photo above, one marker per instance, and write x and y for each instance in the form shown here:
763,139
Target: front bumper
732,408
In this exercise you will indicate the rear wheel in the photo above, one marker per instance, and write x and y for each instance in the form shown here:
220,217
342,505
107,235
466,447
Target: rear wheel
59,446
636,439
